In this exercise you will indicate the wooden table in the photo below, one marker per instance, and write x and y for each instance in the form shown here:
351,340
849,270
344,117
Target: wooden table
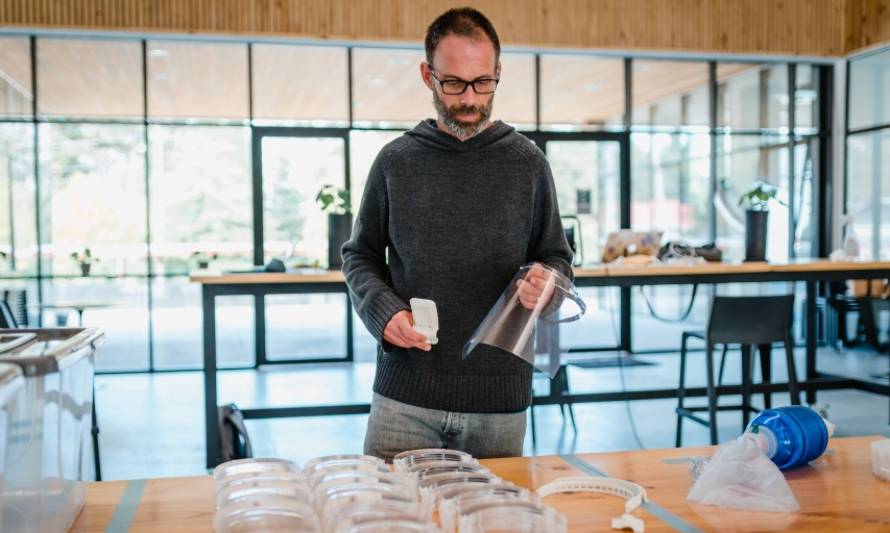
261,283
836,493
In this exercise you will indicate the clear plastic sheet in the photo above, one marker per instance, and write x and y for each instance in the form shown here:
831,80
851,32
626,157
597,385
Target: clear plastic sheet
513,324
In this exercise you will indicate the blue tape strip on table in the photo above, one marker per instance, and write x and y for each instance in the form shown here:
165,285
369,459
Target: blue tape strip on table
650,507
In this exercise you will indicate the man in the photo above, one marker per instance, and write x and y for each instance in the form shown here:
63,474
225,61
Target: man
451,210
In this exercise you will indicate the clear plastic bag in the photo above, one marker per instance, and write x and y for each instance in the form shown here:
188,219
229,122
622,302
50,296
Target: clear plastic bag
740,476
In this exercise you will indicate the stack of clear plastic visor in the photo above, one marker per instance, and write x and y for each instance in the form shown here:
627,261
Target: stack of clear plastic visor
262,495
441,471
529,328
360,494
510,517
454,498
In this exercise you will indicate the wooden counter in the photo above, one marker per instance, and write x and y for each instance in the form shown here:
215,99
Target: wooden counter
836,493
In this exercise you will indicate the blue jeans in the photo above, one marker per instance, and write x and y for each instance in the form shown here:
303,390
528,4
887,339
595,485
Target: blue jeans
395,427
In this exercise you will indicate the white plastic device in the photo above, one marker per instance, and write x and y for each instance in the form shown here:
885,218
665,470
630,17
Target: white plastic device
426,318
633,493
880,458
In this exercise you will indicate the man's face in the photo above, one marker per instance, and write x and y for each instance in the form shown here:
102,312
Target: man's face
467,59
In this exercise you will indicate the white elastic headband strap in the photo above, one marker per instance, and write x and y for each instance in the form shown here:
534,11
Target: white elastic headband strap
633,493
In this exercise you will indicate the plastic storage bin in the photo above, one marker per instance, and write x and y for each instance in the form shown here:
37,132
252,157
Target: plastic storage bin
11,388
49,452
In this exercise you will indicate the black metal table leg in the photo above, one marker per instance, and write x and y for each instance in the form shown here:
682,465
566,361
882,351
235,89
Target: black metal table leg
95,431
811,370
211,416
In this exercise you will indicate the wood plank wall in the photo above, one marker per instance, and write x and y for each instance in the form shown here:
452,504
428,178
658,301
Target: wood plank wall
868,24
796,27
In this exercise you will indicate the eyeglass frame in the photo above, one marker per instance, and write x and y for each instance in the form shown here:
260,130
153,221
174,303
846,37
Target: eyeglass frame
466,83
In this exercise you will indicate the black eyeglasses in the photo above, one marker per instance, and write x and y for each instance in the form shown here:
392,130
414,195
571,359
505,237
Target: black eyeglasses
484,85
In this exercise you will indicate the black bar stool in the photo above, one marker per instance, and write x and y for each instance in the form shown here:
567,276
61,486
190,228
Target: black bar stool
749,321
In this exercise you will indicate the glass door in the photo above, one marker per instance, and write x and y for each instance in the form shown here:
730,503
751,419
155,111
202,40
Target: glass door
290,166
589,173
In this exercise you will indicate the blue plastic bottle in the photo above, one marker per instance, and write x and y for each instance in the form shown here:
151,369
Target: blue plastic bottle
790,436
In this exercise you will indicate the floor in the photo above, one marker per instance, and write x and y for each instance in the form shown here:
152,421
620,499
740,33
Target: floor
152,424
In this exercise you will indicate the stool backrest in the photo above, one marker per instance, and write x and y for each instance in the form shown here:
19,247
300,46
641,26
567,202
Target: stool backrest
750,319
7,320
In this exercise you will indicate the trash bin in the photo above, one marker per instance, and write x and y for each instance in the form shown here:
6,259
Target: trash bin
49,452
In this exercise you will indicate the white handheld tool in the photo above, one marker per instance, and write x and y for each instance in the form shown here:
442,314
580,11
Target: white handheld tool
426,318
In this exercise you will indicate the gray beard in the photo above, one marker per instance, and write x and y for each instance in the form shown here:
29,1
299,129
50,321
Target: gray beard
462,130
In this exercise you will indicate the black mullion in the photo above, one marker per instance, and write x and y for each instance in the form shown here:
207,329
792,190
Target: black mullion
256,144
37,207
250,83
538,92
625,311
793,215
712,149
869,129
147,169
846,136
826,186
349,96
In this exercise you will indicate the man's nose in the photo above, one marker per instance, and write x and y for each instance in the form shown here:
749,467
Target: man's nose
470,97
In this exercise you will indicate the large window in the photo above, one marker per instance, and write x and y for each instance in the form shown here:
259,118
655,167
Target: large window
387,89
89,78
16,93
670,94
581,92
148,152
18,234
195,80
305,85
200,197
92,196
868,153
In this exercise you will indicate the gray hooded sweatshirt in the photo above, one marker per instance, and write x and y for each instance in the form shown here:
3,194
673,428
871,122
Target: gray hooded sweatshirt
452,222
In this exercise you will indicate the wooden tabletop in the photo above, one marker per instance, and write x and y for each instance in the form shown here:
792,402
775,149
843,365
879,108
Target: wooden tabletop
593,271
836,493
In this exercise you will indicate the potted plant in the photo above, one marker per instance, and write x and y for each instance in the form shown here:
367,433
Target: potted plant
85,260
756,201
203,259
335,202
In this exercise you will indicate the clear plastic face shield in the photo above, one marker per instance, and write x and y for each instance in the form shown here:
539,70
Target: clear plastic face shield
525,319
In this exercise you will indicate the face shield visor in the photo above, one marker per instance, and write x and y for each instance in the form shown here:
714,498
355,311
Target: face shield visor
525,319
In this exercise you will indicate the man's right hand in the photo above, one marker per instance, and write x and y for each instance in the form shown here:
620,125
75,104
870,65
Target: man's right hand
399,331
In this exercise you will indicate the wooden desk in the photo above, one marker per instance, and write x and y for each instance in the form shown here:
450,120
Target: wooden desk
260,284
836,493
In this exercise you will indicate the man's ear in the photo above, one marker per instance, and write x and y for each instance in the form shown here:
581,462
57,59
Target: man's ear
497,69
426,76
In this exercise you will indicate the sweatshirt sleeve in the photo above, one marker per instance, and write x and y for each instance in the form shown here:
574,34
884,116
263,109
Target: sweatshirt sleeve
364,257
548,243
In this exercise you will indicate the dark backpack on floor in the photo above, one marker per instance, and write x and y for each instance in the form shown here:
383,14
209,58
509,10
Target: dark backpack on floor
234,443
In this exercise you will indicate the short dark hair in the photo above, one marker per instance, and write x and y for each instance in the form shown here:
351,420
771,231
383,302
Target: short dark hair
462,21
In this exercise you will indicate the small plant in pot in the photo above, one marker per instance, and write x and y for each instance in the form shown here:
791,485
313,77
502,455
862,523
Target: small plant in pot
756,202
335,202
203,259
85,260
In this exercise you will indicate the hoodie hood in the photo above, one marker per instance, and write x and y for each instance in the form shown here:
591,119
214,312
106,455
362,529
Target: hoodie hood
428,134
